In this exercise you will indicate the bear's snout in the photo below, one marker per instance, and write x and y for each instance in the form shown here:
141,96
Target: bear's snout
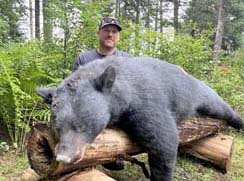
70,154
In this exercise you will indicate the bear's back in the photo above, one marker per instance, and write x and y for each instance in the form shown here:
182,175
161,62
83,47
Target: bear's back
154,83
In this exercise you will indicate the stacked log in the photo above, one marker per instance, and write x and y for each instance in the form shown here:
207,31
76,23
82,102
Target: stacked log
195,135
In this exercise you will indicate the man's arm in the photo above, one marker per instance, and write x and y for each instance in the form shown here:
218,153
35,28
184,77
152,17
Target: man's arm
80,60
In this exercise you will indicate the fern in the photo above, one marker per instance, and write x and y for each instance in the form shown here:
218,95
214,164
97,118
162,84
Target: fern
18,98
21,71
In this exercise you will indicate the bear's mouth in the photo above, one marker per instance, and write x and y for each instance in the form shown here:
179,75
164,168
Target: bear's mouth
81,155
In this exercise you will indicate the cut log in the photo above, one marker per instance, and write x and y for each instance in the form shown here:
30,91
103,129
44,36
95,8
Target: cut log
88,175
112,143
29,174
215,149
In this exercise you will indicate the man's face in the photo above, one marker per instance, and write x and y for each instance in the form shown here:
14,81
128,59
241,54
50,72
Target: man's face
109,36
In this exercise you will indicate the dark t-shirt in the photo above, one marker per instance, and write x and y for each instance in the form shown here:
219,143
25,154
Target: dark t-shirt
91,55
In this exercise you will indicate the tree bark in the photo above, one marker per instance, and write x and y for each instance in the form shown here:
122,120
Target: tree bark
47,23
156,18
219,33
137,11
176,15
147,25
111,144
31,19
161,16
37,19
117,8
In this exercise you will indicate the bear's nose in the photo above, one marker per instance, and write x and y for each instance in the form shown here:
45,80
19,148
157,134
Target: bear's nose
63,158
63,155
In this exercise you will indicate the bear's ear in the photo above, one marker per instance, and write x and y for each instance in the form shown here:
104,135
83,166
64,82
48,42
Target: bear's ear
46,93
105,81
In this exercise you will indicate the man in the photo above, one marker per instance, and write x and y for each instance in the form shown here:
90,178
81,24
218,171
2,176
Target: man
108,36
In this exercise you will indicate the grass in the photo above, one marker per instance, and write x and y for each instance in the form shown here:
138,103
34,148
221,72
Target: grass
187,168
191,169
12,166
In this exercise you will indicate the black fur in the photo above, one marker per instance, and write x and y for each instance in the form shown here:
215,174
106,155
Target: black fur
145,97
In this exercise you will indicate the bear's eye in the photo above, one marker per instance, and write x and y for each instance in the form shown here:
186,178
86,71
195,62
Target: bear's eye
55,105
69,85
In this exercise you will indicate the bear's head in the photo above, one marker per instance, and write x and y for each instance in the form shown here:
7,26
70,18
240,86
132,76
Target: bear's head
80,110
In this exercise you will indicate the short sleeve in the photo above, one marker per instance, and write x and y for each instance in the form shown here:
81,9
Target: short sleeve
80,60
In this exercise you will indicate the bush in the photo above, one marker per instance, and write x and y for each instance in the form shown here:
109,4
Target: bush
22,69
192,54
228,80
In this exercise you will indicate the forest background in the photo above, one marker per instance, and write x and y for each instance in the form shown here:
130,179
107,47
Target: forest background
207,41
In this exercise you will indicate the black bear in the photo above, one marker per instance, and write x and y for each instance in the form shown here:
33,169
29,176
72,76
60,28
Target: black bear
143,96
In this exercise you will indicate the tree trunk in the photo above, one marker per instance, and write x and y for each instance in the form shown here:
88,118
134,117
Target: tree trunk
31,19
176,15
117,8
125,9
111,144
156,18
137,11
148,14
66,29
13,22
37,19
161,16
219,33
47,23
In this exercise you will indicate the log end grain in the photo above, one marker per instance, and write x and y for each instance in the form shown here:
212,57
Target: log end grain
40,150
216,149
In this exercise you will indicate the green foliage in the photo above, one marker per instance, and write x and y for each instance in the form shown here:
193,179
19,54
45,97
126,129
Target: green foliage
78,21
22,69
12,100
190,53
228,80
204,13
90,17
10,13
4,147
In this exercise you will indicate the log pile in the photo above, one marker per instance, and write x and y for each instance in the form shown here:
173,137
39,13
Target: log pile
197,137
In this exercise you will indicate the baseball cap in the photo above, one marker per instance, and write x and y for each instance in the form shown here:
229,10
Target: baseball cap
110,21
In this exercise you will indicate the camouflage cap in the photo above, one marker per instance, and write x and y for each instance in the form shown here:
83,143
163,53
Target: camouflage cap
110,21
